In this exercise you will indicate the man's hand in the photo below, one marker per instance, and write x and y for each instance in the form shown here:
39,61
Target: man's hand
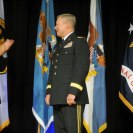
71,99
47,99
5,46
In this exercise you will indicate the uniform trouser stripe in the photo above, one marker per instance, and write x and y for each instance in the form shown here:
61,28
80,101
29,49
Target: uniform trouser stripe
79,118
38,130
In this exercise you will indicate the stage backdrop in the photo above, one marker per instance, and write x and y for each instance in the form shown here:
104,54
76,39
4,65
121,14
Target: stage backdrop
21,18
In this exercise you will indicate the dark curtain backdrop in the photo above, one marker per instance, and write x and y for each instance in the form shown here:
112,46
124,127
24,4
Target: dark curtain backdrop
21,24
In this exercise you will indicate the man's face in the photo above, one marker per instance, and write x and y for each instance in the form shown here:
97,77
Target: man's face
60,27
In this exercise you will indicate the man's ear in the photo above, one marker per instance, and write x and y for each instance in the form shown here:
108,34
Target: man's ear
68,26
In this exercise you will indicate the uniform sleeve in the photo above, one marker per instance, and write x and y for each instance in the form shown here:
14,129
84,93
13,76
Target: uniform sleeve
49,85
81,66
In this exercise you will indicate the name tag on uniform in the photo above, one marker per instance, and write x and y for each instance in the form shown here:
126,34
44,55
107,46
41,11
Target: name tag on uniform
68,45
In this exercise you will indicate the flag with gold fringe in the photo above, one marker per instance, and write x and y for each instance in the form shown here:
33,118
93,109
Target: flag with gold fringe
4,117
45,42
95,111
126,86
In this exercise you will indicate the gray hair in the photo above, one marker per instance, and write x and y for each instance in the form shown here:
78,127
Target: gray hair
68,18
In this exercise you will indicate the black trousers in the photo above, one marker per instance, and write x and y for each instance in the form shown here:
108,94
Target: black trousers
68,119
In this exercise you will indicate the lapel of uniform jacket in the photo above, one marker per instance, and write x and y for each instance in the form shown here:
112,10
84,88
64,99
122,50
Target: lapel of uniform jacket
69,39
61,45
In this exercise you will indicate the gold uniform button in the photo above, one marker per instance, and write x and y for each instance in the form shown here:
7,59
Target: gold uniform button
55,73
56,60
57,54
55,67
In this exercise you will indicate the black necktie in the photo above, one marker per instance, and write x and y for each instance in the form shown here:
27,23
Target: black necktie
62,40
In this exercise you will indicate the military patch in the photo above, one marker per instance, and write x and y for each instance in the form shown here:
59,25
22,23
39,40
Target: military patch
68,45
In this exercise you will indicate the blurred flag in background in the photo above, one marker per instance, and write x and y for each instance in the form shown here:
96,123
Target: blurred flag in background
95,111
126,87
45,42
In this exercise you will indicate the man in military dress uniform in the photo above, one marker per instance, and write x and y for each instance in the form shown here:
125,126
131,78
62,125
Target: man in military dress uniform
66,90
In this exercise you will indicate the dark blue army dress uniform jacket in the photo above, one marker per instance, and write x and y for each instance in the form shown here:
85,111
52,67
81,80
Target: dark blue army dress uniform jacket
68,70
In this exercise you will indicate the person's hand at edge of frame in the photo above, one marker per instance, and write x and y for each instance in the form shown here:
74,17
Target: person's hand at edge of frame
4,47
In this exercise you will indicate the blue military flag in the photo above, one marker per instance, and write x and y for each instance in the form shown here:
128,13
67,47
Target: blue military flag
45,42
4,117
126,87
95,111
